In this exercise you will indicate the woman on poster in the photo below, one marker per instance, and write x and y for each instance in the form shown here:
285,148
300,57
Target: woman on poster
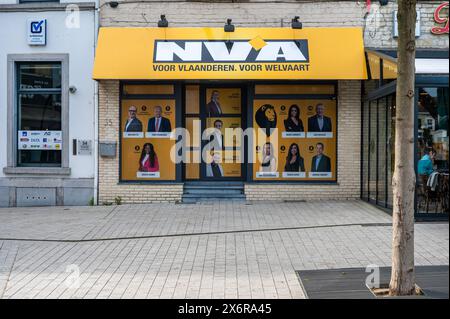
148,162
269,162
293,123
294,162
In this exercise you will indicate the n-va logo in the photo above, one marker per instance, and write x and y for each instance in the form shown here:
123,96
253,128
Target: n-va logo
237,51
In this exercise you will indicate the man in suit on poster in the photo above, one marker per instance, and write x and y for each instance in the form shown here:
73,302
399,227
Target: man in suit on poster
216,137
158,123
133,124
213,107
214,168
320,162
319,122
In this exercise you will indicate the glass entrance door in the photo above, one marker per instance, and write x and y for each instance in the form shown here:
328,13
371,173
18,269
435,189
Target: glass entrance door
212,113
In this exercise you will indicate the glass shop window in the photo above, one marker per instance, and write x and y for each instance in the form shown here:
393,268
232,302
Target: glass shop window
433,150
38,96
433,124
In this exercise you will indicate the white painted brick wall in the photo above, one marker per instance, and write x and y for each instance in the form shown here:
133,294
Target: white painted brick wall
265,13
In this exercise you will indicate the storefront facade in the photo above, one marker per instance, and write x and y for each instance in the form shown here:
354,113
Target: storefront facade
188,100
227,99
47,102
315,84
431,133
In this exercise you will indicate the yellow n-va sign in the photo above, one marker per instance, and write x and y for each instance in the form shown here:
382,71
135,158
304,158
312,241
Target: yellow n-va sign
247,53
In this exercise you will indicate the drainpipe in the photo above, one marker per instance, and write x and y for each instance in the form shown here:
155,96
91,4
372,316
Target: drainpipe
96,124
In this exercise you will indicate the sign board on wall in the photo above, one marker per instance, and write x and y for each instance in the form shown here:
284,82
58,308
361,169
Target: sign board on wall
396,25
247,53
37,31
84,147
39,140
442,19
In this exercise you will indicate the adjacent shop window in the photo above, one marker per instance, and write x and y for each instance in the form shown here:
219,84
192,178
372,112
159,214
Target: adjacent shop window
147,120
296,137
382,158
378,150
391,113
365,151
433,150
373,150
39,122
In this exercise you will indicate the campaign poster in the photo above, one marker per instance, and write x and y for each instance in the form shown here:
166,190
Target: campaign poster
307,159
299,139
223,163
222,101
147,118
266,166
224,157
146,127
233,124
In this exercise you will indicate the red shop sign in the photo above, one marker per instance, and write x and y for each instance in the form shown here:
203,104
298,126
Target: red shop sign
440,20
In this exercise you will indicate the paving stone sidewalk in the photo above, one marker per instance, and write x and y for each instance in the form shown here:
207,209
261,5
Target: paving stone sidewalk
205,250
103,222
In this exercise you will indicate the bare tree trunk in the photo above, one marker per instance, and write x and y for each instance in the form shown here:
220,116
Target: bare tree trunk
404,179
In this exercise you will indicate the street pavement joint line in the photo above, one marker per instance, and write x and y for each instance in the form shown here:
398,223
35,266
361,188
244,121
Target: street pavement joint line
112,211
2,291
194,234
95,226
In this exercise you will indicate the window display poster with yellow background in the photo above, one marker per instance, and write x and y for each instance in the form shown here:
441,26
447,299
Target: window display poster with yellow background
218,102
304,147
227,149
222,123
227,161
223,101
145,142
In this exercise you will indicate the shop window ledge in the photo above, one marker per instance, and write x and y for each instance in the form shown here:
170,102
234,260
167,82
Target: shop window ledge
37,170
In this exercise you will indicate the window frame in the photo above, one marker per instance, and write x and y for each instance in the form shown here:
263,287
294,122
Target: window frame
389,90
12,114
18,92
251,97
425,82
177,97
34,1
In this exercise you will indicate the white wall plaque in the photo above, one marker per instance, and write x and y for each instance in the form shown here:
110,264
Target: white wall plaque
84,147
37,31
